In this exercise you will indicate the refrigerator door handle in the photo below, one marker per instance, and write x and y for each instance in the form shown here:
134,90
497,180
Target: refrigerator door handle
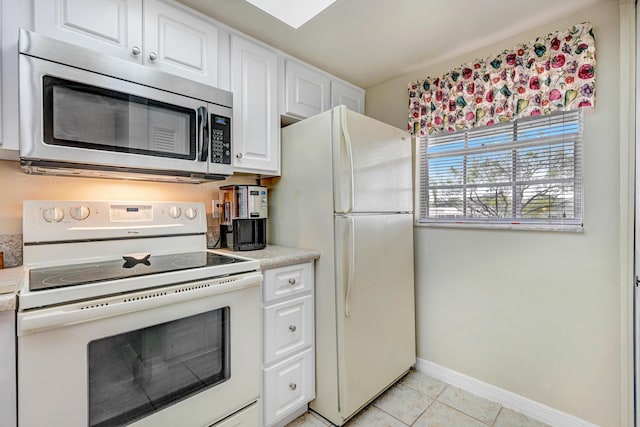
347,142
351,266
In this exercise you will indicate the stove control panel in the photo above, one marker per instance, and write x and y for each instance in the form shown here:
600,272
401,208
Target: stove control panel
53,220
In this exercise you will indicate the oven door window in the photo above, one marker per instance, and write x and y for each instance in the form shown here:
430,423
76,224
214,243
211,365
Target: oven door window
136,373
84,116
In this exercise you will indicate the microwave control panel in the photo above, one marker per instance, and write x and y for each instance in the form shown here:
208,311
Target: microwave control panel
220,139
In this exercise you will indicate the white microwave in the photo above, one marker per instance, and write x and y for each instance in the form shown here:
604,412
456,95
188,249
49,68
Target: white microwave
87,114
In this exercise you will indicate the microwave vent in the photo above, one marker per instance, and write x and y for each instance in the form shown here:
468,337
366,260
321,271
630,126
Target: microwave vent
164,139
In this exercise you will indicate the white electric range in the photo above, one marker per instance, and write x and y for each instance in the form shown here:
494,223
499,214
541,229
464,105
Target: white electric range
124,317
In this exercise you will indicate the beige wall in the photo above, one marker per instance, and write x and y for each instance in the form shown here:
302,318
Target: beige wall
17,186
535,313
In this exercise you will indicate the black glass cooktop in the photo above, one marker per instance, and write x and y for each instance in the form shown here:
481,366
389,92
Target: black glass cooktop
77,274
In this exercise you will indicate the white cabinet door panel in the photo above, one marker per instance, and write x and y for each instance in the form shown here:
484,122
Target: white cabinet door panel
112,27
288,385
287,281
7,369
288,327
307,91
256,124
349,96
180,43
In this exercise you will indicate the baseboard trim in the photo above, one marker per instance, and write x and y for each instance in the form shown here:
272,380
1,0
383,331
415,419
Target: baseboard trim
506,398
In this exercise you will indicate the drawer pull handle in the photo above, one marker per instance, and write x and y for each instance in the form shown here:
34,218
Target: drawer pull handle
293,386
292,281
292,328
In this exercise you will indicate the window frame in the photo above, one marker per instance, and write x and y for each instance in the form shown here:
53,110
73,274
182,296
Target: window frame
512,223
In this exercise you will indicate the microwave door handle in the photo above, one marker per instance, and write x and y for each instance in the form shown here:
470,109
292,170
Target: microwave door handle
203,134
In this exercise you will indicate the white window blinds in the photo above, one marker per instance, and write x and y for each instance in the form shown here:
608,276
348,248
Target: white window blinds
524,172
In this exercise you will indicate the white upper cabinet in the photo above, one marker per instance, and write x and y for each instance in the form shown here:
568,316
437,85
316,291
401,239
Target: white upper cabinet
13,16
256,126
113,27
181,43
307,91
174,39
350,96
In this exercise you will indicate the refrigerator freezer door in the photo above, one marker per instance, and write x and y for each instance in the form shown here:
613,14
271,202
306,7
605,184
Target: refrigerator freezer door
375,305
372,165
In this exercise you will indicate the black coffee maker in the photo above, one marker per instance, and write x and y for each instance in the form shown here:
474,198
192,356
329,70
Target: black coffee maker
243,220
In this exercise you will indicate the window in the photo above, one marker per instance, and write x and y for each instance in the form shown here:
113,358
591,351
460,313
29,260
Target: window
521,174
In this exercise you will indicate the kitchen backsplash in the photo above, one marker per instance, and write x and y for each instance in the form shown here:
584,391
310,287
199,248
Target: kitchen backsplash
11,246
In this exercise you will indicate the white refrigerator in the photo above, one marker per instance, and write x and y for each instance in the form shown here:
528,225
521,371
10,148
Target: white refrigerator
346,190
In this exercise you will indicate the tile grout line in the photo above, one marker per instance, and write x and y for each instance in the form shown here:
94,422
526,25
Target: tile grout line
433,399
497,416
425,410
392,416
469,415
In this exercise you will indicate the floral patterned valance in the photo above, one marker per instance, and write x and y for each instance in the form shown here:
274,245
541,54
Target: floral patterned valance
552,73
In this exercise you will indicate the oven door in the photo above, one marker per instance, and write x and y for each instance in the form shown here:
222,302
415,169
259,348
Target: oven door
185,355
70,115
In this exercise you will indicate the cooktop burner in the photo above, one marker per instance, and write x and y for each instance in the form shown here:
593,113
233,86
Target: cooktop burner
77,274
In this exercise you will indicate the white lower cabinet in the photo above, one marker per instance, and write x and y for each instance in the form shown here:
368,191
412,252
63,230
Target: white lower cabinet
7,369
288,381
290,385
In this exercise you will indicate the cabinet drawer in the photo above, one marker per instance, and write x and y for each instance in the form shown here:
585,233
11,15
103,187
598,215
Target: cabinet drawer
288,386
288,327
283,282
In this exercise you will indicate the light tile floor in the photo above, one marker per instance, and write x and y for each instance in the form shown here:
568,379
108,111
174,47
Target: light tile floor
419,400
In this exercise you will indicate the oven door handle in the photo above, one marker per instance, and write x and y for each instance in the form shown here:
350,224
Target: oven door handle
71,314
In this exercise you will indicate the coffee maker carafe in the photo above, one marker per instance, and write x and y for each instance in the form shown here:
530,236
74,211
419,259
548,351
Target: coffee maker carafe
243,221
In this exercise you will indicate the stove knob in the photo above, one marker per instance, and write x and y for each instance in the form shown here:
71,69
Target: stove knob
191,213
175,212
53,214
79,212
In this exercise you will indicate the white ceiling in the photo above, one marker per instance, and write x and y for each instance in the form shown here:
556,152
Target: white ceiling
368,42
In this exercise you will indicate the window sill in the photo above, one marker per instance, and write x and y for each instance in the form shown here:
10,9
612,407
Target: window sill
572,228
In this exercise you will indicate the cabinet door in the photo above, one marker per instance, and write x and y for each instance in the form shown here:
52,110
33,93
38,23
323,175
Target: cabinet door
306,91
180,42
113,27
288,327
256,127
288,386
350,96
8,368
15,15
